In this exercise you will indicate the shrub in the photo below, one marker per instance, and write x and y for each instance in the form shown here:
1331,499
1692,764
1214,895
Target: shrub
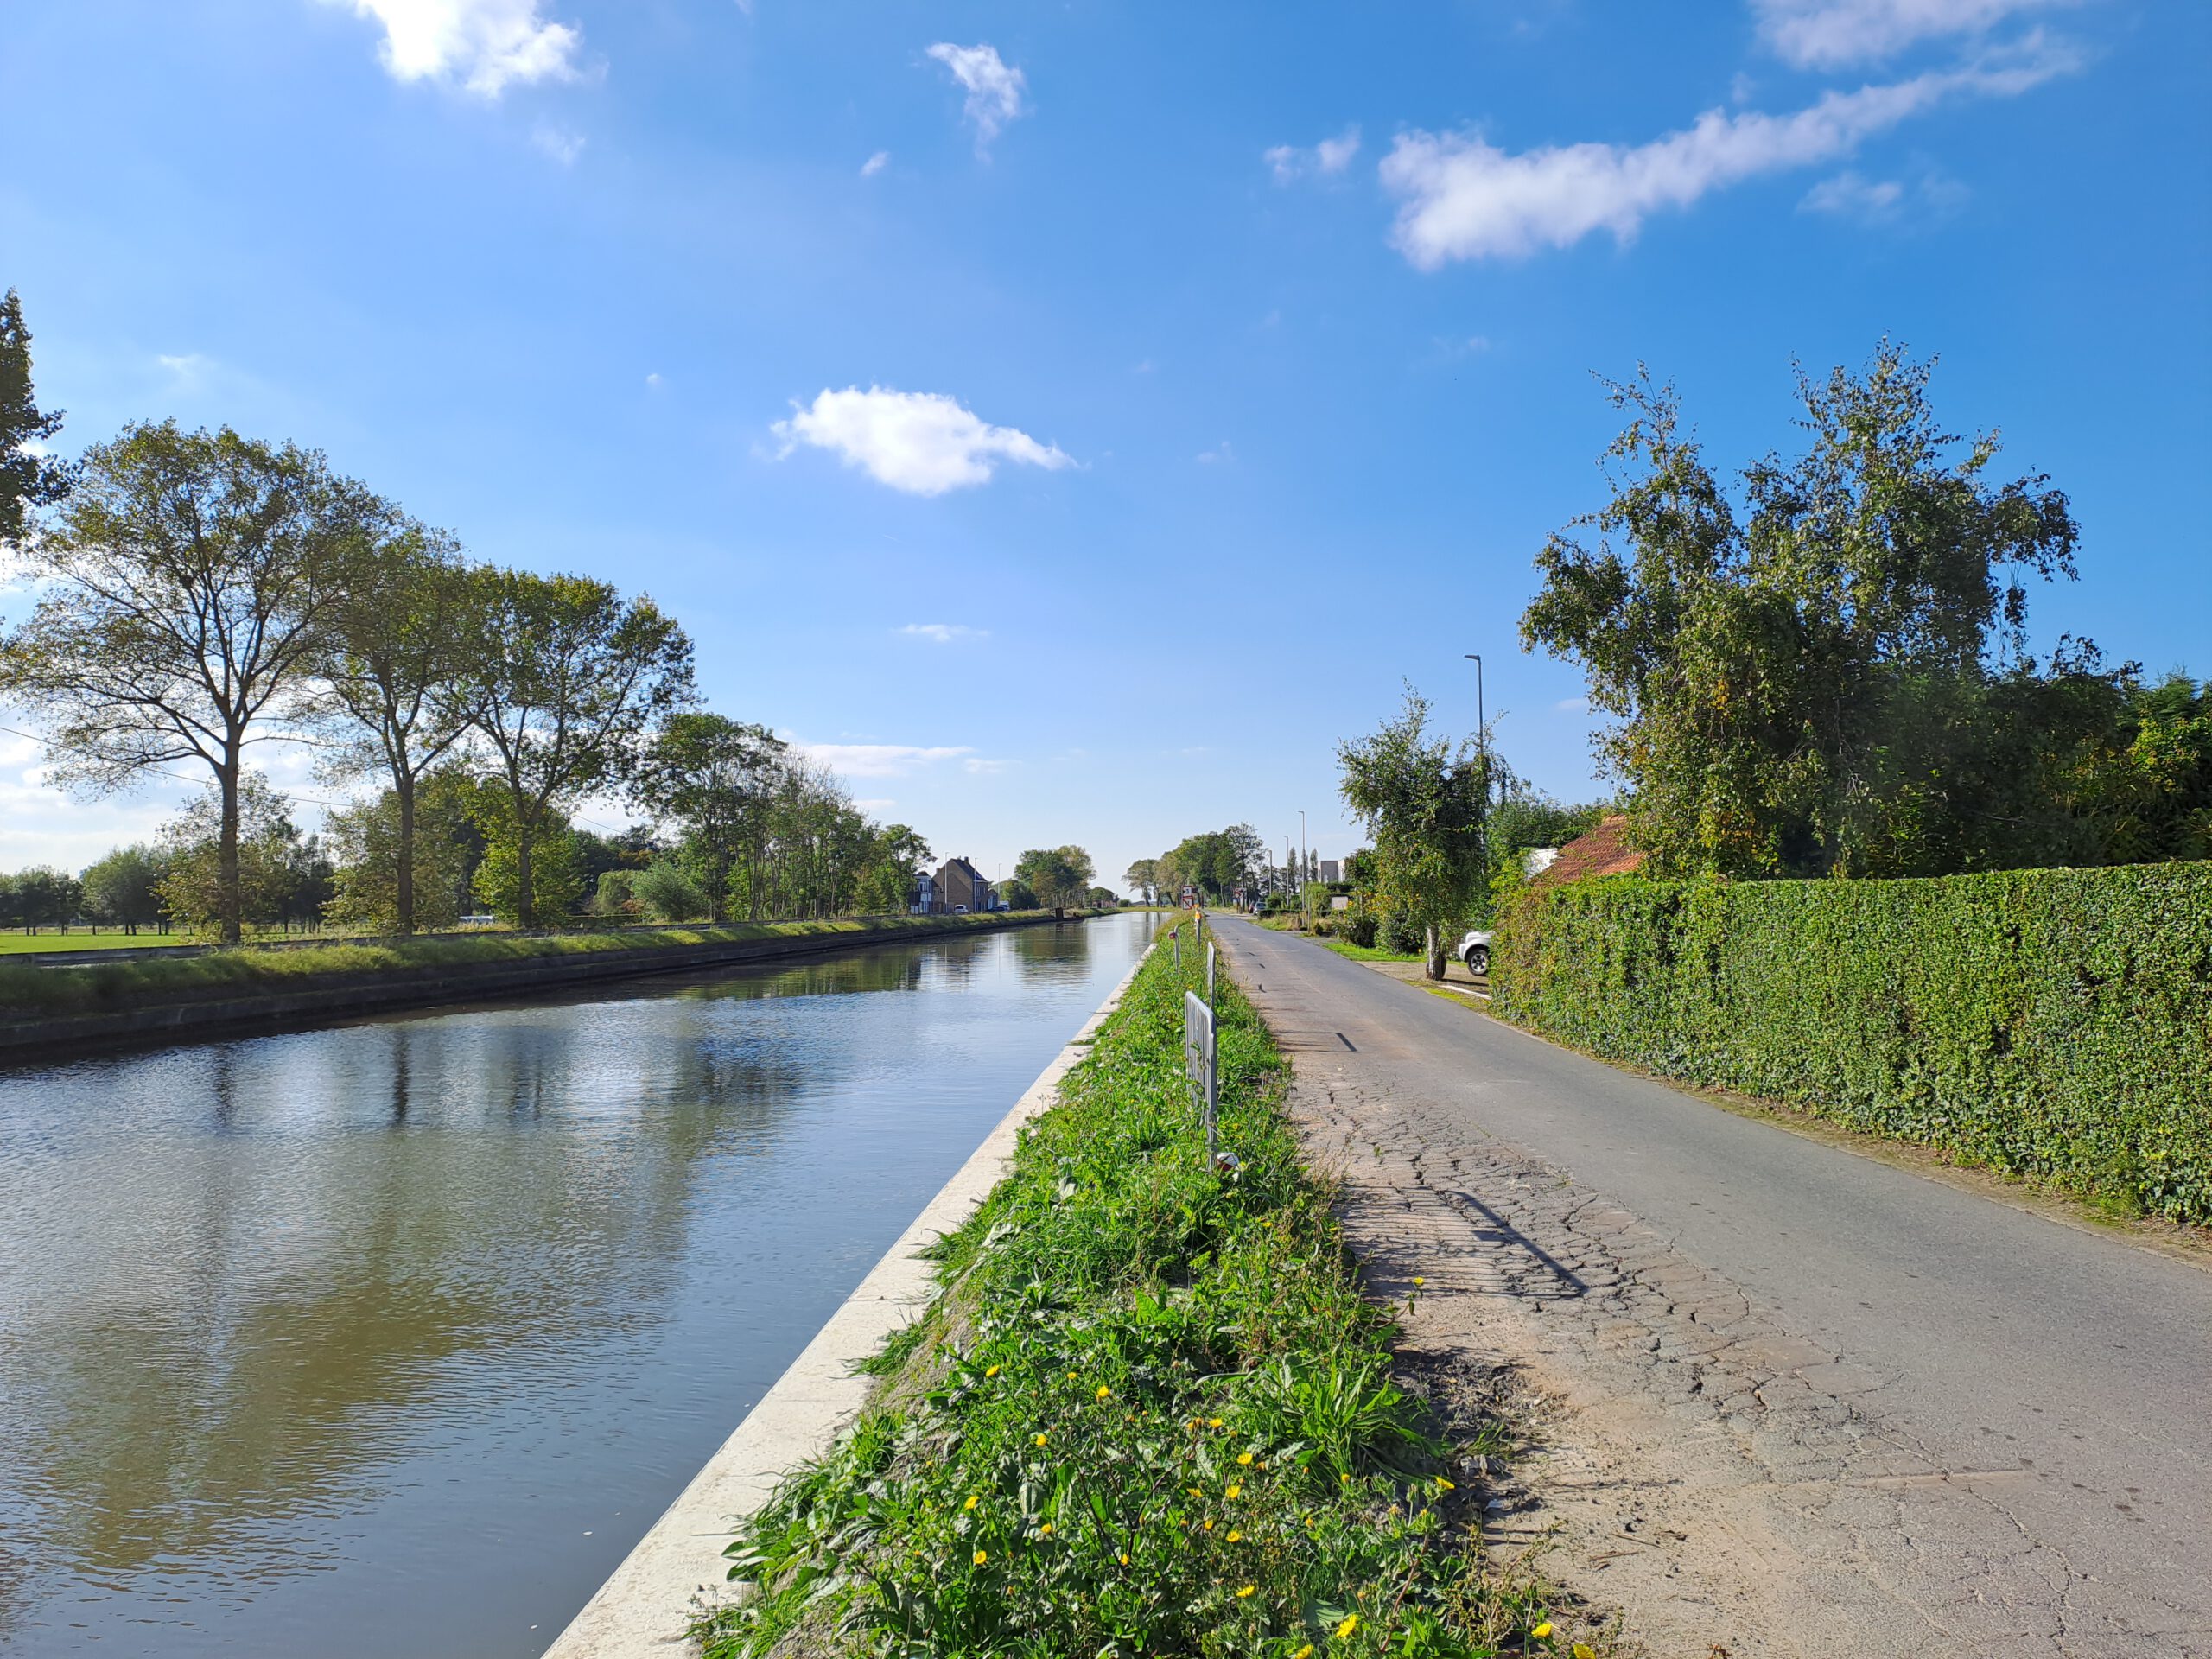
2052,1023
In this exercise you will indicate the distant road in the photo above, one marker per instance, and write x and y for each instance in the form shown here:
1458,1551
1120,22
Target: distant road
1807,1402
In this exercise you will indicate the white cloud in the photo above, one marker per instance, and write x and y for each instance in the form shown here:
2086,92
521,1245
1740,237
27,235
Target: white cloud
562,145
945,633
875,163
1572,705
882,760
1832,33
484,45
994,88
1330,156
1931,197
922,443
1464,199
189,367
1222,453
1850,196
653,379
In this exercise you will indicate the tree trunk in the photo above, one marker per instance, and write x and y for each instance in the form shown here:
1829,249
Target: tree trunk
228,906
525,901
403,784
1434,966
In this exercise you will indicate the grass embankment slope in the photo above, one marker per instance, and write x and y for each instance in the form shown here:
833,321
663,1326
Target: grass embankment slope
1151,1414
245,969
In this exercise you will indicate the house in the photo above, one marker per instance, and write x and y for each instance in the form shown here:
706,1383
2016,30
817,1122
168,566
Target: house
1603,850
960,887
924,895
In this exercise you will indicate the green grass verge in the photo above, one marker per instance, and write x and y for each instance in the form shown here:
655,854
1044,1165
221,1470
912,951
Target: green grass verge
1152,1413
24,945
99,986
1367,952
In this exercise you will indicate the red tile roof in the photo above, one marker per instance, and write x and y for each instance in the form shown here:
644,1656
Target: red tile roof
1604,851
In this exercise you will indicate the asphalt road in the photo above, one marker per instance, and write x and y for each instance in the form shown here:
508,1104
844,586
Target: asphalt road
1959,1427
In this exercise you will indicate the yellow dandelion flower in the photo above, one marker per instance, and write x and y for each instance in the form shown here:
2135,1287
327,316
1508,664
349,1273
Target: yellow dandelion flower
1234,1489
1351,1624
1213,1422
1039,1439
1443,1485
981,1558
1209,1526
1070,1377
1105,1393
1583,1650
1125,1561
1418,1280
973,1498
993,1371
1234,1537
1195,1492
1542,1630
1246,1591
1044,1531
1245,1459
1306,1652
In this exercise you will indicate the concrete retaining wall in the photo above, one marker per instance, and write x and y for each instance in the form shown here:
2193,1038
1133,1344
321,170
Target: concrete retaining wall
643,1609
216,1011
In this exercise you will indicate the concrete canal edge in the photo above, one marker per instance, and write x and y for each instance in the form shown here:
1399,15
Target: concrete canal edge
642,1610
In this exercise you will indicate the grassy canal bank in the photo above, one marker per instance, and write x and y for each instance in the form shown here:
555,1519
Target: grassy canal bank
1151,1411
45,1009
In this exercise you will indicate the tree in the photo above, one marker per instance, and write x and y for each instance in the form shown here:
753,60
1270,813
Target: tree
1422,798
1805,686
712,777
1143,876
441,853
34,897
121,888
1016,894
389,681
562,677
1057,875
558,878
187,589
206,889
29,477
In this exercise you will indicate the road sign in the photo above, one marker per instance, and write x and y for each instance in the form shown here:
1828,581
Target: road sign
1199,1061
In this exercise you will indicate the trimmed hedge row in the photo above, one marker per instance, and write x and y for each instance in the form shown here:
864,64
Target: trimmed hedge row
2052,1023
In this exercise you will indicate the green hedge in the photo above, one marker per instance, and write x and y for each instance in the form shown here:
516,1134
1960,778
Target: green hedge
2052,1023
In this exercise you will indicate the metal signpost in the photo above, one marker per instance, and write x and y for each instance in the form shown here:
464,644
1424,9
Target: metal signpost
1198,1063
1209,978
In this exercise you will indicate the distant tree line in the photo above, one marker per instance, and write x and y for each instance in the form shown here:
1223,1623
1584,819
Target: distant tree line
200,592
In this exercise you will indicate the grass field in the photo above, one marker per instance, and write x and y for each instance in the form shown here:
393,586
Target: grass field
22,944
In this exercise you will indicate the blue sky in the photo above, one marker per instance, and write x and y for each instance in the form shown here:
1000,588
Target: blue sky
1074,420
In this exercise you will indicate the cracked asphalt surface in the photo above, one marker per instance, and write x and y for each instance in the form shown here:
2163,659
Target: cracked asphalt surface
1794,1401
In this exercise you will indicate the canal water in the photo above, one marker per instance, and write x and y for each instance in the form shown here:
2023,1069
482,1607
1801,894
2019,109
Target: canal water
390,1338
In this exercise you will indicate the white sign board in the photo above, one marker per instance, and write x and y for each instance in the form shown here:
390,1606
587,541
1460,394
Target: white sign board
1198,1059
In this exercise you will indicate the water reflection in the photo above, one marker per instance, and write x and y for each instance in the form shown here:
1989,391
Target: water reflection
286,1321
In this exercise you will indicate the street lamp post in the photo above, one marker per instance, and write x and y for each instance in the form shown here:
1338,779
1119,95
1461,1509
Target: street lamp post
1482,740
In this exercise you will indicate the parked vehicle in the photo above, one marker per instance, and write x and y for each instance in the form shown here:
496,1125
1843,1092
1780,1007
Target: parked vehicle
1474,951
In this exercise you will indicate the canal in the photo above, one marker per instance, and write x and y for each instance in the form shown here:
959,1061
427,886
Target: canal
390,1338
